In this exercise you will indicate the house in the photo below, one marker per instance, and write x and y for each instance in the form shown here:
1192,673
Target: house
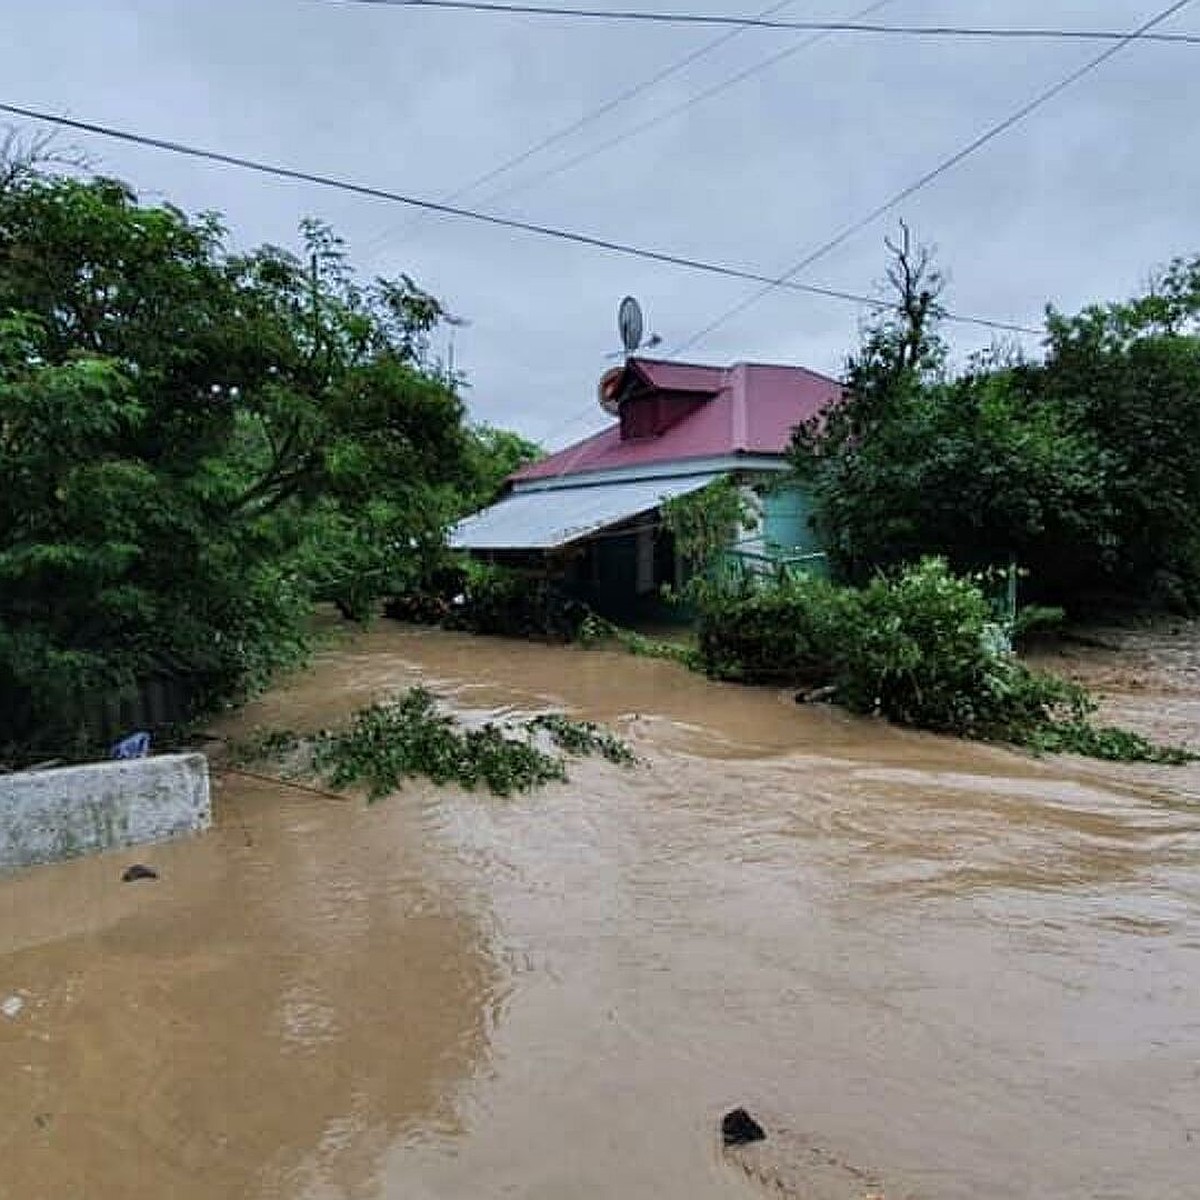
588,515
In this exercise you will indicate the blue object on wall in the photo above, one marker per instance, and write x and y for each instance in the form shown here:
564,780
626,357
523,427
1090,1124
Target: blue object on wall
136,745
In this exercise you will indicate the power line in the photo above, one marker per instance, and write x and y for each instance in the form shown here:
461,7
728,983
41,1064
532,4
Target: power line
644,126
449,210
763,21
976,143
592,115
667,114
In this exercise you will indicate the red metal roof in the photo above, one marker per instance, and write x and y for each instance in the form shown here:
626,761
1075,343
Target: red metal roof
679,377
753,410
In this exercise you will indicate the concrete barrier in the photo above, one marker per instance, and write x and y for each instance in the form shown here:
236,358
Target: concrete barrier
50,815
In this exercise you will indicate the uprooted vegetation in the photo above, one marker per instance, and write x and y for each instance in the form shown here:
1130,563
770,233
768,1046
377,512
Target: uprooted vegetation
409,737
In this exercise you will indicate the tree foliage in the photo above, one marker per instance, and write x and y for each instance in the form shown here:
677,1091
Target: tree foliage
492,456
1079,467
387,744
705,524
194,442
1128,374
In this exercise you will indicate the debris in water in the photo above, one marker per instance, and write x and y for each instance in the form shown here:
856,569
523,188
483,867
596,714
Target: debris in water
138,871
738,1128
11,1007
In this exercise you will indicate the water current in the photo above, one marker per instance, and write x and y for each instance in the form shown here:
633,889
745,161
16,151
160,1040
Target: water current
931,967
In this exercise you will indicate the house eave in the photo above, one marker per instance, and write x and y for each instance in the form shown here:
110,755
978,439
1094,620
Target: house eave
740,461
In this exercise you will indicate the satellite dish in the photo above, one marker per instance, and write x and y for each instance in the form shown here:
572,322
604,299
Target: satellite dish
608,390
630,324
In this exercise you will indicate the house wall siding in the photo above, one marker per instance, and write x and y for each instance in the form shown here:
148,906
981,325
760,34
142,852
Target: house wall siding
787,513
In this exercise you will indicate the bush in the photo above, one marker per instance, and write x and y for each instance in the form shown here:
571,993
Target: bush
431,601
595,630
920,648
1037,620
785,633
921,651
509,604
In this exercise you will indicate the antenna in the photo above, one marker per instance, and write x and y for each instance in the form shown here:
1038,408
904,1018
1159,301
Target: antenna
607,392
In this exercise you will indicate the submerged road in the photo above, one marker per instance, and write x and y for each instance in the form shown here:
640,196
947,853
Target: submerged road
963,971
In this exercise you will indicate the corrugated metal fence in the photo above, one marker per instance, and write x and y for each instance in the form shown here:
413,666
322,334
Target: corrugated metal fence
150,704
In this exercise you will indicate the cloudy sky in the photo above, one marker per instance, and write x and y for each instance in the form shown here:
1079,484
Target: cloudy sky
1077,203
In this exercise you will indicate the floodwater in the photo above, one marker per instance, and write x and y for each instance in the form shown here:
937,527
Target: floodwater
956,970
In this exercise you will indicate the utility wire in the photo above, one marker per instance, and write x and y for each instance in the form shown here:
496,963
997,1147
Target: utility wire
976,143
669,113
766,21
565,131
721,86
450,210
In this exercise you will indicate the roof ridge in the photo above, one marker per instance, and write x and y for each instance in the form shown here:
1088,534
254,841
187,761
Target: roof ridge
776,366
728,368
675,362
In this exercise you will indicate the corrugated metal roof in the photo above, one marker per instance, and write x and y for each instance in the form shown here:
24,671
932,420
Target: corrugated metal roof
545,520
752,410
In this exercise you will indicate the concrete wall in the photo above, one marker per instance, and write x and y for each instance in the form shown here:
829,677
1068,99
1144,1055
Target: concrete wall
49,815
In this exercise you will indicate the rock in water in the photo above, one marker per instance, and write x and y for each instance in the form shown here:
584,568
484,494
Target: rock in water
136,872
738,1128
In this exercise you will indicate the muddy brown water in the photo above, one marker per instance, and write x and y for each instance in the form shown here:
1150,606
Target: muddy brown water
964,971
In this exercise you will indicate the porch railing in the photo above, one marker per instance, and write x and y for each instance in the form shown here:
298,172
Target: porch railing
739,565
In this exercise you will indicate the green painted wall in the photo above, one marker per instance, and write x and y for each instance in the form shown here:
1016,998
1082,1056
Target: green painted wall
606,577
786,512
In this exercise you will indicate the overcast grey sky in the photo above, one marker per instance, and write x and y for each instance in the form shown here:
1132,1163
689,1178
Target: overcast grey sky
1076,204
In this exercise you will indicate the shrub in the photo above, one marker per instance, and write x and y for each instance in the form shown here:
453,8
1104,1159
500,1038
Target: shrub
595,631
431,600
510,604
783,633
920,648
1037,620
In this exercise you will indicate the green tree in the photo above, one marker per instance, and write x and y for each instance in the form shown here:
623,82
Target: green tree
899,357
1129,375
492,456
192,442
981,468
